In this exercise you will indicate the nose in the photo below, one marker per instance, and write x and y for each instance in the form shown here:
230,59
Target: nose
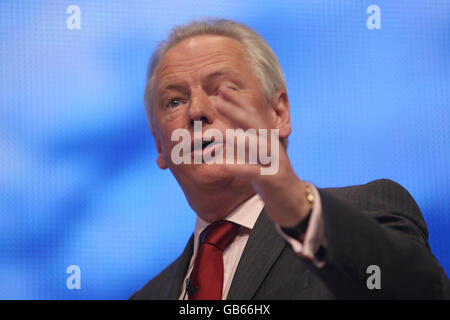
200,107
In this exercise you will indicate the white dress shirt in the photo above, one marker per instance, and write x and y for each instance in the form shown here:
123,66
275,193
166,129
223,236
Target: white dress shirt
245,216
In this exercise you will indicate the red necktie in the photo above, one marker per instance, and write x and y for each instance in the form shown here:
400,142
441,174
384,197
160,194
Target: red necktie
206,279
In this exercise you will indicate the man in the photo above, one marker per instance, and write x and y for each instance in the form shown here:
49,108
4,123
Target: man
269,236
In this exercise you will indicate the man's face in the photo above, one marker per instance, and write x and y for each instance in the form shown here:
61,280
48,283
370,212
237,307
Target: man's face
187,88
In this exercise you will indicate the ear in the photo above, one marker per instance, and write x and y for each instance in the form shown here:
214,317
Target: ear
281,108
160,161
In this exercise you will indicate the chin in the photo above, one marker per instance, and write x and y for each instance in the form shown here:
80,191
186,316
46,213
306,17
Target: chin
208,175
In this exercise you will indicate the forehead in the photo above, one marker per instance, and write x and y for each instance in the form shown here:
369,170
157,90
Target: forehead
200,54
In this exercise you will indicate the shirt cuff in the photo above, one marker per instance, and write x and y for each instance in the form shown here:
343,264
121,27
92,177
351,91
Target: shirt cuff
315,242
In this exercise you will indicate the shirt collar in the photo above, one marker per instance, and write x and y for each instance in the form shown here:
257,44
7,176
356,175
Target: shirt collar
244,215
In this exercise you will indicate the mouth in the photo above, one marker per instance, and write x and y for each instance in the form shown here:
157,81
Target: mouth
207,143
204,143
207,147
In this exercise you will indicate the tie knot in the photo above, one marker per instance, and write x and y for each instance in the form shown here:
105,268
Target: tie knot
219,234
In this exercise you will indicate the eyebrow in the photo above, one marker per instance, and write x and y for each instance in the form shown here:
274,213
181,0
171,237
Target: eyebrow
216,74
221,73
174,87
178,86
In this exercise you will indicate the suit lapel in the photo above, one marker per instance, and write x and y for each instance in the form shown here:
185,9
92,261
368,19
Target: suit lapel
263,248
175,283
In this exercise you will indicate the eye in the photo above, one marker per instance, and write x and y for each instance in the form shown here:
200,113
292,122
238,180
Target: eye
230,85
227,86
173,103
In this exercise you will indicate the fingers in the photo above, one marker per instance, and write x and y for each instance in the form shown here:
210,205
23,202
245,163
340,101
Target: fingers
261,155
234,108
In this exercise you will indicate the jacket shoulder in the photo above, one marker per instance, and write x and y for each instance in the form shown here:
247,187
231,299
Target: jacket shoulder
165,284
382,196
156,288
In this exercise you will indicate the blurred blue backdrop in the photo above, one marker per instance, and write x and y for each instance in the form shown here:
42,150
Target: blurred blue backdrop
78,179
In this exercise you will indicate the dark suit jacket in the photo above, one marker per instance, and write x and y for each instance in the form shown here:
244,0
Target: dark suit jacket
378,223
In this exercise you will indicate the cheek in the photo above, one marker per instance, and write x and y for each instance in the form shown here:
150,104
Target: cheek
169,120
166,131
258,102
167,139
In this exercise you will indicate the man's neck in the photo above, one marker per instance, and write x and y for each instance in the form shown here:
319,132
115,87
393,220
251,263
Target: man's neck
214,205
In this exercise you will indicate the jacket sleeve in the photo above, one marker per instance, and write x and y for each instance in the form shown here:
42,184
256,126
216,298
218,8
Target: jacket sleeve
378,224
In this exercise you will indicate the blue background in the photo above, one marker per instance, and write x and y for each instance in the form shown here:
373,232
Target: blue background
78,178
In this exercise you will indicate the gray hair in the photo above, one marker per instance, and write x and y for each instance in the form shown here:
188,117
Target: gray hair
264,63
